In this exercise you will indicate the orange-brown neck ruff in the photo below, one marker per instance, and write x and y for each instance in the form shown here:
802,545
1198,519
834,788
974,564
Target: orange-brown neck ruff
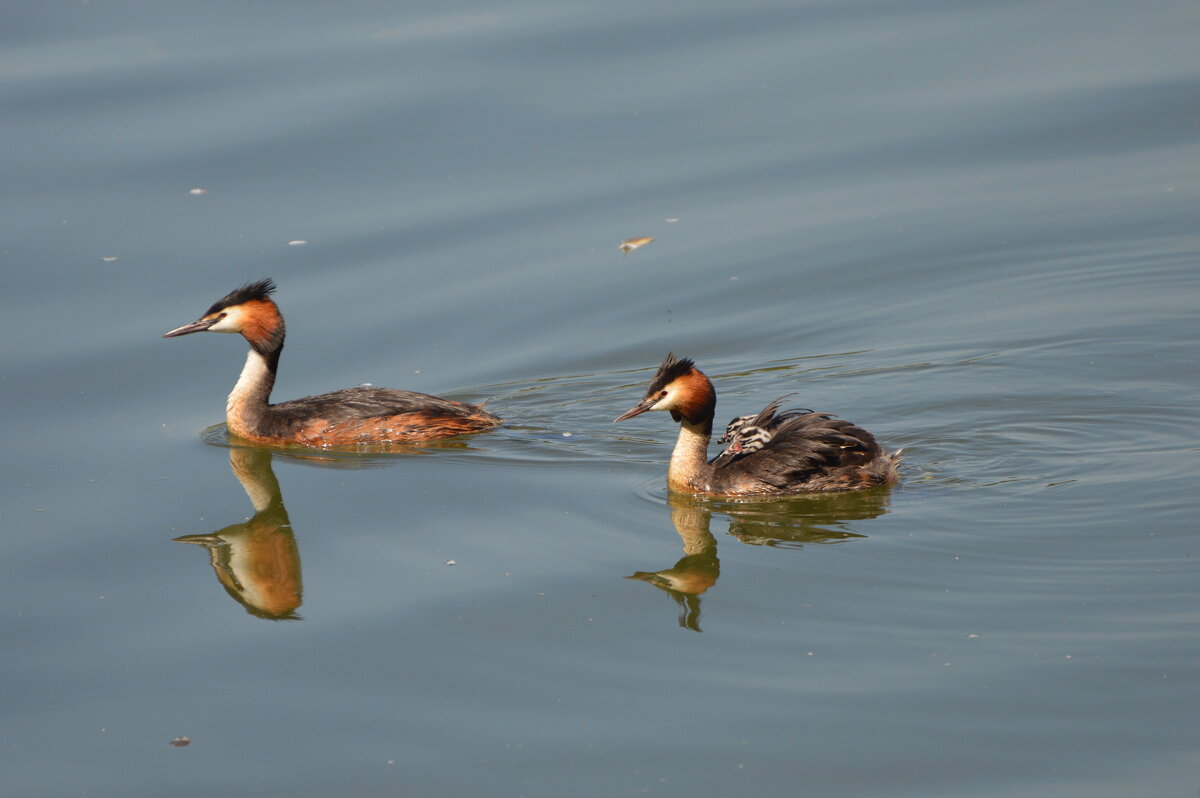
697,402
262,325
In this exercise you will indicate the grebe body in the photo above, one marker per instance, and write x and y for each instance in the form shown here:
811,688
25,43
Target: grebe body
769,453
346,417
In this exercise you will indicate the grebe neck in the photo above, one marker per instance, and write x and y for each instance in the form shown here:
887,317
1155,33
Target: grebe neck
689,469
252,467
248,401
691,522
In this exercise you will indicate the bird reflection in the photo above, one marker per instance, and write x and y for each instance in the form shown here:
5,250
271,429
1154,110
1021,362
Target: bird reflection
699,567
257,561
785,523
812,518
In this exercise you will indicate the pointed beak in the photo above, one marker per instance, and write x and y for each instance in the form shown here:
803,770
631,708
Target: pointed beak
638,409
200,325
203,540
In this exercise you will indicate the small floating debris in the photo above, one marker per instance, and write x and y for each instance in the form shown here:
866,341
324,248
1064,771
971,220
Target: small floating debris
630,244
109,258
181,742
197,191
298,242
451,562
672,220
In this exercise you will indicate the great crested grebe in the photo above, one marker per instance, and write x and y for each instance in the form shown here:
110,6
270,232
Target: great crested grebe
796,451
345,417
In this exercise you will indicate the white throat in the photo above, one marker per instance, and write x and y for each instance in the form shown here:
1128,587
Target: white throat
254,373
689,470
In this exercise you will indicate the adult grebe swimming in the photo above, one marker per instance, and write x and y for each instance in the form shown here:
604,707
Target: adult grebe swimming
348,416
796,451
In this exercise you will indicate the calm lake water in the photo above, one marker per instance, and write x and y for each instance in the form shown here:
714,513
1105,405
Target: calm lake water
971,228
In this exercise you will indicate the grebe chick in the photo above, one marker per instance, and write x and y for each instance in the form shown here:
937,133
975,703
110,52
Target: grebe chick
748,438
735,426
749,433
345,417
796,451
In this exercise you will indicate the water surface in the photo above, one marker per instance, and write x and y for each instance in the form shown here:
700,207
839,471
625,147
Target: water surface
970,229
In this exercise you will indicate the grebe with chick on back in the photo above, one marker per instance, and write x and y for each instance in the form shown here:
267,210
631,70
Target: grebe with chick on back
770,453
350,416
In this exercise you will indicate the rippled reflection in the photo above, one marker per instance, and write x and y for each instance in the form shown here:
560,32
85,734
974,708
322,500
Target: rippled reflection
257,561
797,520
785,523
699,567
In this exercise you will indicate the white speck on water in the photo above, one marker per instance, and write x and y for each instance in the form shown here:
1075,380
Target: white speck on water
417,372
198,191
297,242
366,385
108,258
451,562
567,434
672,220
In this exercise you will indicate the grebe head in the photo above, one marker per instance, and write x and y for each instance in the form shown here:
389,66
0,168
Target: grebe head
680,388
248,310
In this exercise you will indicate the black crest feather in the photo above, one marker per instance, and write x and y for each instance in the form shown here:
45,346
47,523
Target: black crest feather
247,293
671,369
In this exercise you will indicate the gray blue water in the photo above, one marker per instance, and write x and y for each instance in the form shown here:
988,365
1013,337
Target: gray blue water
970,228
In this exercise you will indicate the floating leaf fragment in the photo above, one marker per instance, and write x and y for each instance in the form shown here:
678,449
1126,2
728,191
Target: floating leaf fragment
630,244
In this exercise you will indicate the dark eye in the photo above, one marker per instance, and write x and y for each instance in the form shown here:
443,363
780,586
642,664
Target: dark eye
221,315
664,393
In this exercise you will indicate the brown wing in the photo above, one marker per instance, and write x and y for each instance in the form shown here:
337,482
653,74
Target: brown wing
813,450
364,415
